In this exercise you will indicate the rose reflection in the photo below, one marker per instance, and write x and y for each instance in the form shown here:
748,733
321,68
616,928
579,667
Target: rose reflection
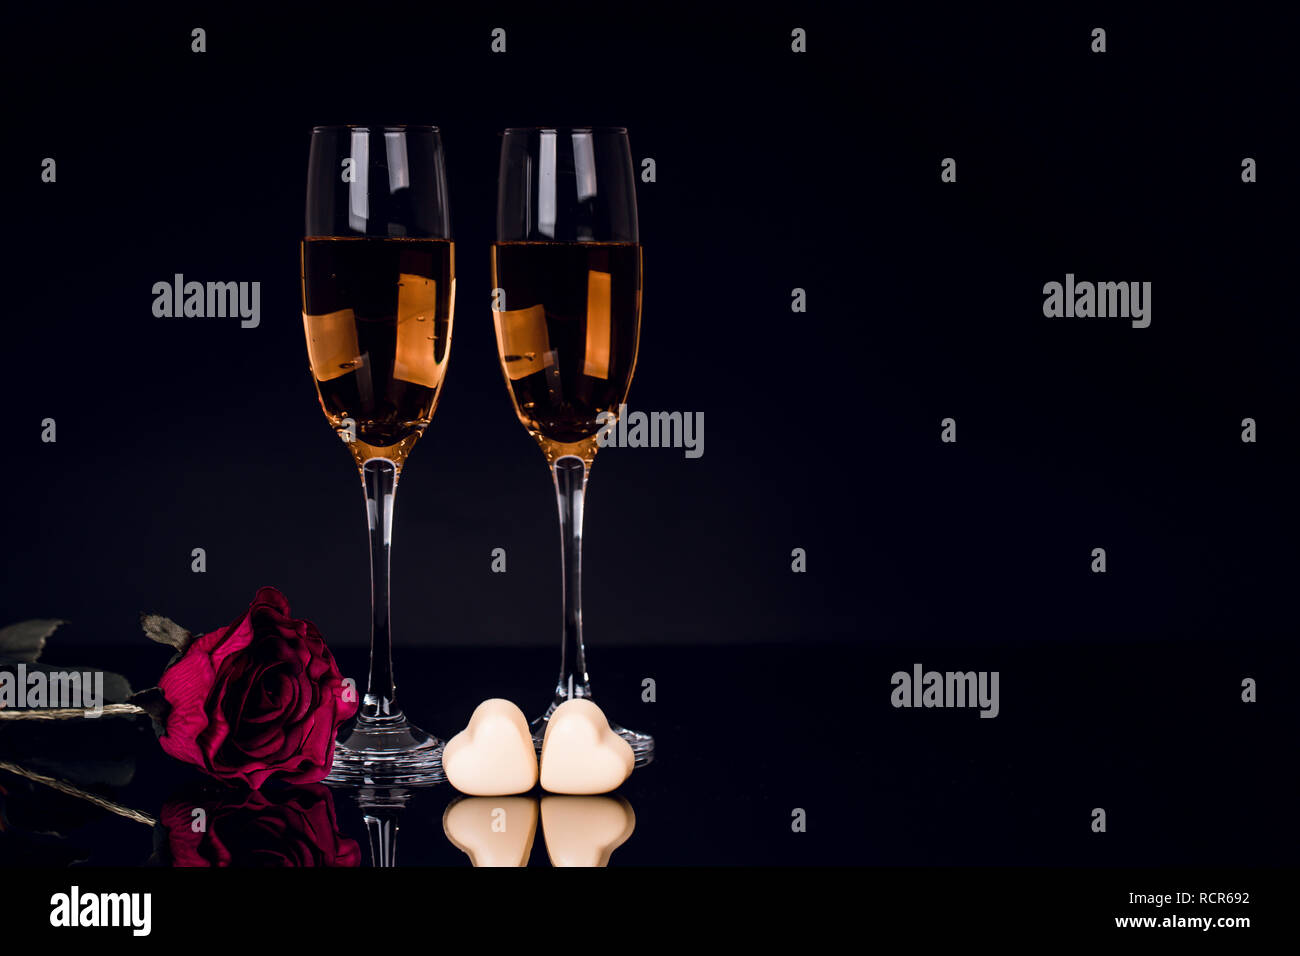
578,831
287,827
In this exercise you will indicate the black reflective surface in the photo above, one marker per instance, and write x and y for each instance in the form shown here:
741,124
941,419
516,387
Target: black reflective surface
1155,733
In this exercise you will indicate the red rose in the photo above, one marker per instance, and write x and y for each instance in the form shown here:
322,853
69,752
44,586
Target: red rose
258,698
294,827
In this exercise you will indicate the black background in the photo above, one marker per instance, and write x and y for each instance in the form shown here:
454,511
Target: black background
774,171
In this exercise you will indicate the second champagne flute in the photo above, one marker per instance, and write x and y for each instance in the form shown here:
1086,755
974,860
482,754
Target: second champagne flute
566,278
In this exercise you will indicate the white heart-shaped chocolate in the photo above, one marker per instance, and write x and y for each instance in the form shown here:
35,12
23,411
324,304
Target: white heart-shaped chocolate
494,755
580,754
492,831
584,831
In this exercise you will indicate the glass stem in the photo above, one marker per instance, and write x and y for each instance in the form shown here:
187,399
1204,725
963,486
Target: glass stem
379,476
570,474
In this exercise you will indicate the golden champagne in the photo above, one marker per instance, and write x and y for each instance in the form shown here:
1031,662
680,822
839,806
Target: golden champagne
567,335
378,318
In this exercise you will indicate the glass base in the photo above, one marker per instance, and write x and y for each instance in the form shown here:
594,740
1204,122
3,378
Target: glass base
386,752
643,745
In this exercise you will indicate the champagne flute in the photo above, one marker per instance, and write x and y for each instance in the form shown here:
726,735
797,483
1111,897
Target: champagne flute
566,277
378,293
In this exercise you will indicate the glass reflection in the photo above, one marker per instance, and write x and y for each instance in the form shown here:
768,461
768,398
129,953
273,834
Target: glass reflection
381,812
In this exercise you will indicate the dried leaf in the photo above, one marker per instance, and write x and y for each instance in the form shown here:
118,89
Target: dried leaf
24,641
165,631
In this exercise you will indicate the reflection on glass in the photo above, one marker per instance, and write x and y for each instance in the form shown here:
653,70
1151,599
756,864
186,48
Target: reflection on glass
492,831
585,831
381,812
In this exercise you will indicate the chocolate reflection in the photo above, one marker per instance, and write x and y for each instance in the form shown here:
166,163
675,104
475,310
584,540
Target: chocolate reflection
578,831
492,831
585,831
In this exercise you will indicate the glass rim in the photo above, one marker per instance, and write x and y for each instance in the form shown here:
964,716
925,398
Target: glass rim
377,128
509,130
